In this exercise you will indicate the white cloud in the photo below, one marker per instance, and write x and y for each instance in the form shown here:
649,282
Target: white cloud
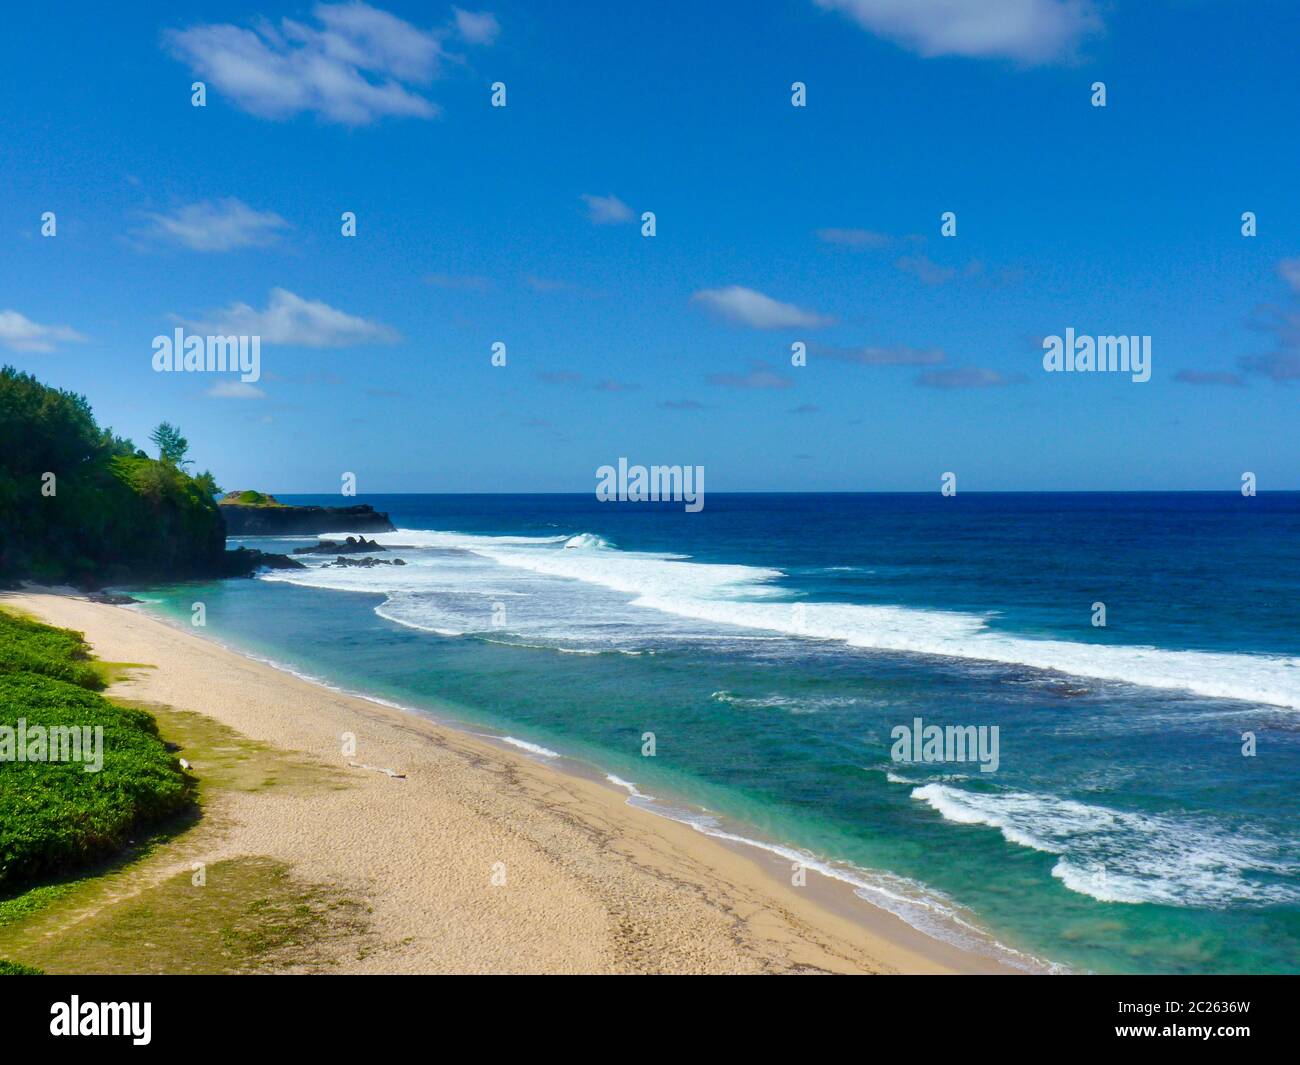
929,272
359,65
1032,31
1290,271
873,355
459,283
20,333
854,238
761,376
547,284
235,390
217,225
477,27
966,377
607,210
290,319
751,308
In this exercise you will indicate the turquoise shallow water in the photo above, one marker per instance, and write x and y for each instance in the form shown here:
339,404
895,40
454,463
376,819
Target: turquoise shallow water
772,645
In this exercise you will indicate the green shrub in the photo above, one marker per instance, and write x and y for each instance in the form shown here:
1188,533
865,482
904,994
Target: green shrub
54,816
30,647
12,968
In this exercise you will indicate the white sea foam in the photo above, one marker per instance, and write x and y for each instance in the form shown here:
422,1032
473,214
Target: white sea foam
587,540
796,704
531,748
444,586
631,789
925,909
1121,856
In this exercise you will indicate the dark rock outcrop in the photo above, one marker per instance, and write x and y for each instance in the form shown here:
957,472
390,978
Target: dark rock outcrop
284,520
351,546
366,563
245,561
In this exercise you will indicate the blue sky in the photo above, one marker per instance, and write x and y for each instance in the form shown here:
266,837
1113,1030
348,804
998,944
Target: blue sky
775,224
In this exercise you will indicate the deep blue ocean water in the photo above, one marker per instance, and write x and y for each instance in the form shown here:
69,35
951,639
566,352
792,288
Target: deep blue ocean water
772,643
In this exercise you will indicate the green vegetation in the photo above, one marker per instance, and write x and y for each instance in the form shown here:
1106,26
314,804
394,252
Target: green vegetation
137,914
55,816
78,503
27,646
249,499
248,915
107,846
172,447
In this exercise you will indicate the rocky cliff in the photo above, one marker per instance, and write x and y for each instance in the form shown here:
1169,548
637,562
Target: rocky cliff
255,514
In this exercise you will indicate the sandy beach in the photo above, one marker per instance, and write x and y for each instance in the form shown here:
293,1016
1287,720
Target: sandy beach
477,859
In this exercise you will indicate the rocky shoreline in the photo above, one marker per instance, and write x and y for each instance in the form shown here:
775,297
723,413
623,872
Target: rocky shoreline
272,518
250,513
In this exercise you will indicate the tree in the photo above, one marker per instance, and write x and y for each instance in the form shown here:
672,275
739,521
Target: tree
207,483
171,445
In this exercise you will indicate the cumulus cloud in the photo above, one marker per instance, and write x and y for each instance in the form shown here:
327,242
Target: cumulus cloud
761,375
356,65
607,210
1030,31
291,320
747,307
966,377
217,225
20,333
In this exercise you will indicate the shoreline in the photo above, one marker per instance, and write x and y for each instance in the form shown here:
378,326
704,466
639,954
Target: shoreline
571,839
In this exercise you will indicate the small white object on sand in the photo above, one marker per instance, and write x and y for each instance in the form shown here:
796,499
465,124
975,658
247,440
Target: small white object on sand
379,769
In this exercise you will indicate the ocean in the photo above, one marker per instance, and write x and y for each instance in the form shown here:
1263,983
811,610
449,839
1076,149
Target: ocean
1142,812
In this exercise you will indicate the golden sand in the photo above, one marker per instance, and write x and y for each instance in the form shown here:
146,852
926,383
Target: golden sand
475,858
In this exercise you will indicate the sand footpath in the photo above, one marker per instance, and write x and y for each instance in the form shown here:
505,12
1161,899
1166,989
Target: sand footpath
481,860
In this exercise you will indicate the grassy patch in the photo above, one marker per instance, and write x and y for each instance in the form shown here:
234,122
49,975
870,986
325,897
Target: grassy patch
249,498
112,672
249,915
224,759
31,902
12,968
115,839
